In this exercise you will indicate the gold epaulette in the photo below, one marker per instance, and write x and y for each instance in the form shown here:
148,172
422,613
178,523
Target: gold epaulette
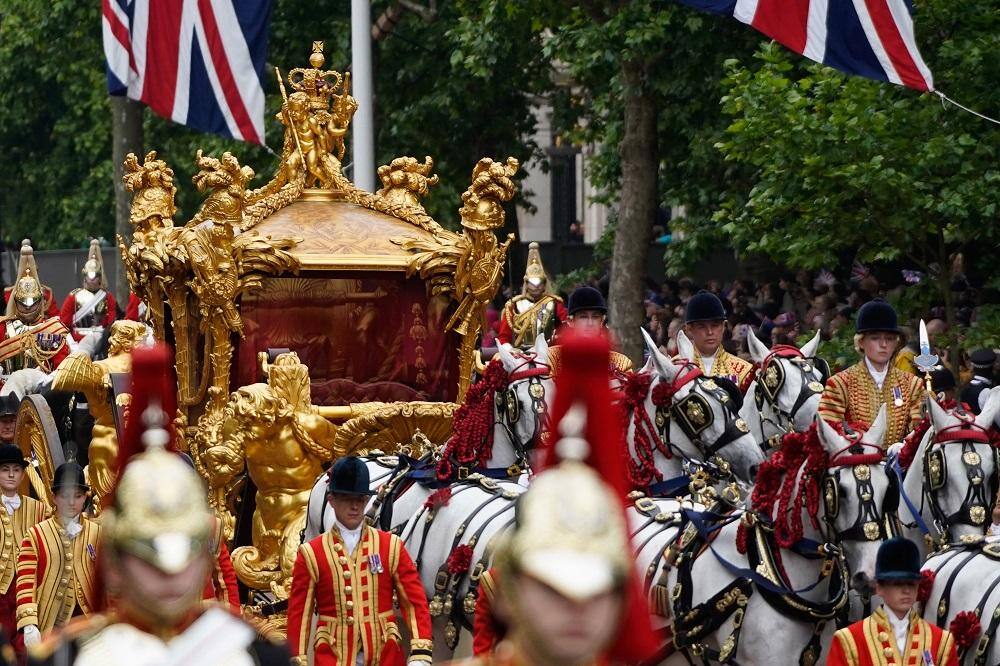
620,361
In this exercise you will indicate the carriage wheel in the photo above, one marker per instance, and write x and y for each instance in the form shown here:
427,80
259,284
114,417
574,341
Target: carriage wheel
38,438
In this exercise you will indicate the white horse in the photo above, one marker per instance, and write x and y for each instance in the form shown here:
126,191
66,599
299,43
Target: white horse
953,476
746,599
683,417
519,411
784,395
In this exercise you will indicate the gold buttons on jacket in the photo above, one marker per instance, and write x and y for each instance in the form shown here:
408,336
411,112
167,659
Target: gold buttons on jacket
347,589
342,560
347,574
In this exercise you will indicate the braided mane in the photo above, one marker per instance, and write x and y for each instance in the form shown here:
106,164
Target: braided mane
471,441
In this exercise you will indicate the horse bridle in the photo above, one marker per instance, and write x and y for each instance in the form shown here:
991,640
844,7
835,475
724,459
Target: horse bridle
873,523
974,508
771,379
694,414
509,408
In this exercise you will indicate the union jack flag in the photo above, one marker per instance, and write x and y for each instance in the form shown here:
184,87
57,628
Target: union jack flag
870,38
197,62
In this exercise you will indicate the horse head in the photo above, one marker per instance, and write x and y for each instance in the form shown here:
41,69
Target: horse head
960,468
860,495
697,417
784,395
521,408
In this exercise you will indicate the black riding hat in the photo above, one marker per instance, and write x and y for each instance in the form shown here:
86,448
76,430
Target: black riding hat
877,315
897,559
586,298
349,476
9,404
704,306
983,358
11,454
69,475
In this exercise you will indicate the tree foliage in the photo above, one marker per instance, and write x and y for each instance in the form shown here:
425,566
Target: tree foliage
840,164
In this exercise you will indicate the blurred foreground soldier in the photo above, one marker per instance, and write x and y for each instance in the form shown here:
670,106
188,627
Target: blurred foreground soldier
56,568
18,514
349,576
156,556
857,393
29,336
587,315
976,391
705,326
92,308
943,384
566,590
895,633
535,311
8,417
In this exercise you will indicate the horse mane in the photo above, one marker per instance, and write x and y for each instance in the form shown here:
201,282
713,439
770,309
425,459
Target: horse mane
471,441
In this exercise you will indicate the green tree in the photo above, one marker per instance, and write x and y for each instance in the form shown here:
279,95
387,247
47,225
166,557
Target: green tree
840,165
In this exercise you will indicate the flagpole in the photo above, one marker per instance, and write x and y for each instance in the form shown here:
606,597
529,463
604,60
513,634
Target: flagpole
363,125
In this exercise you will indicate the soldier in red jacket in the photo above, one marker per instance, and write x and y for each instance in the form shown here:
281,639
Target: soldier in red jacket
895,633
91,308
348,576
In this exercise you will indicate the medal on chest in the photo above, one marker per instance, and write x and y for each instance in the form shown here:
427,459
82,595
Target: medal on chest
375,563
928,660
897,396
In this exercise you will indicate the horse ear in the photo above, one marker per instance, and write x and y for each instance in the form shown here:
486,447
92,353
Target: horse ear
828,437
810,348
685,348
939,417
541,349
506,357
758,350
991,410
876,433
663,365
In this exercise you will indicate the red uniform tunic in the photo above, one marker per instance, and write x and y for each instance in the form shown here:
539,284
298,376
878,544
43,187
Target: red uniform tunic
15,528
12,353
102,316
870,642
487,629
353,595
519,327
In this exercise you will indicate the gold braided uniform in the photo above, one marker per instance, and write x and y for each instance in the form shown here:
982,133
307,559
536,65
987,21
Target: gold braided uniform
618,362
726,365
55,574
15,528
851,395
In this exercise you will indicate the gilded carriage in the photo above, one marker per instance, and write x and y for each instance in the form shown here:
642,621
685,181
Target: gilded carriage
309,318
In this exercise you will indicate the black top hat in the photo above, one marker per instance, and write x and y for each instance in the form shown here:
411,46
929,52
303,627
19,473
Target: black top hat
877,315
586,298
349,476
983,358
704,306
11,453
69,475
897,559
9,404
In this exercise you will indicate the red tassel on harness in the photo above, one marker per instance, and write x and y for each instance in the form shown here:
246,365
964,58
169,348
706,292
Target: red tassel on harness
460,560
965,628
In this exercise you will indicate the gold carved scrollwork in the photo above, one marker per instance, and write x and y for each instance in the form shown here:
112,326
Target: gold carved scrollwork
386,426
468,266
93,378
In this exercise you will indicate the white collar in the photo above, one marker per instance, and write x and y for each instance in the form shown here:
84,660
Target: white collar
900,627
12,503
351,537
877,376
708,361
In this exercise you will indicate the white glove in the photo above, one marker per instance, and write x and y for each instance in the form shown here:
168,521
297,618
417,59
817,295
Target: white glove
894,449
417,662
32,636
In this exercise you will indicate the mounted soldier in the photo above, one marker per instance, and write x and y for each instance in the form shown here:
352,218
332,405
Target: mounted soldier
27,260
91,308
535,311
29,338
700,341
857,393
